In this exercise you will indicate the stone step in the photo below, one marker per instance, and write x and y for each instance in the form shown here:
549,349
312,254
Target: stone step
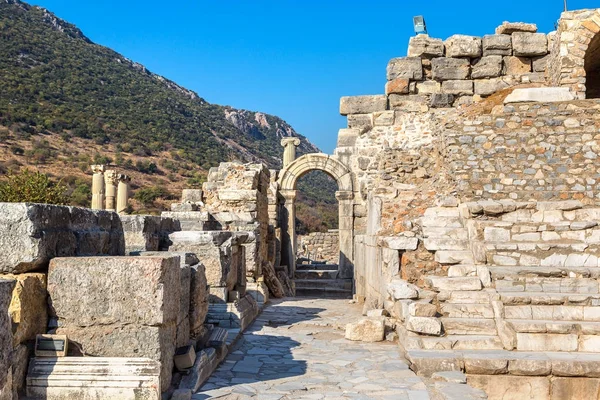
312,267
553,326
545,255
325,293
324,283
316,273
444,243
467,310
462,297
454,342
469,326
550,285
522,363
568,342
93,378
500,272
551,312
543,298
442,283
450,233
450,257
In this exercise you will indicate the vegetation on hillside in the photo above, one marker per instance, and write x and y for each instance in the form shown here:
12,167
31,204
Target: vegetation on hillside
32,187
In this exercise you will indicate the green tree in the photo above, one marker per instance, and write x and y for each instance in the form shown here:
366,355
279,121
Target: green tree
32,187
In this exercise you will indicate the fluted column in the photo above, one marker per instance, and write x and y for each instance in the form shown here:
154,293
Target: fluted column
123,193
110,182
98,187
289,149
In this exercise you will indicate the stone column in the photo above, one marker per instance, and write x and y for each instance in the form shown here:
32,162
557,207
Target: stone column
98,187
110,181
289,149
288,229
346,234
123,193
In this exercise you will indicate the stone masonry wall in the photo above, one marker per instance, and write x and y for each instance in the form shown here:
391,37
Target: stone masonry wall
320,246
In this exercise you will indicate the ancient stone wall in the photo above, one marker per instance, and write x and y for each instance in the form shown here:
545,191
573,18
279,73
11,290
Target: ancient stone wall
320,246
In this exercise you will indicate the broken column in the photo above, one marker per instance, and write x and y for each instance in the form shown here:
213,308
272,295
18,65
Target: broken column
110,192
98,187
289,152
123,193
130,307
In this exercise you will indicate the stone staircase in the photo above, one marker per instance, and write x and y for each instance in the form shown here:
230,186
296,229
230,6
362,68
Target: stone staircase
320,280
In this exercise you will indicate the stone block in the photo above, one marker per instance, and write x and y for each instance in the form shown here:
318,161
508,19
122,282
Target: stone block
366,330
32,234
531,365
463,46
424,325
487,67
516,65
575,388
487,87
444,69
400,242
540,64
508,28
452,284
422,310
429,87
526,44
362,104
497,45
424,46
399,289
198,299
404,67
546,342
441,100
499,387
546,95
397,86
28,308
458,88
410,103
486,365
118,290
6,340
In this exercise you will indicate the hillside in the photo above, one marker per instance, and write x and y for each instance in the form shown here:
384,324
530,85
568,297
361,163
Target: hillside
66,102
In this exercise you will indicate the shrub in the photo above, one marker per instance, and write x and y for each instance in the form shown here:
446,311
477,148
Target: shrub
32,187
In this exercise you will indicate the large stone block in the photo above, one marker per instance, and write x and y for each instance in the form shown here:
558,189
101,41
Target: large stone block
118,290
487,67
527,44
405,67
504,387
146,232
463,46
425,46
508,28
32,234
28,307
6,341
445,69
497,45
198,299
362,104
516,65
487,87
458,88
366,330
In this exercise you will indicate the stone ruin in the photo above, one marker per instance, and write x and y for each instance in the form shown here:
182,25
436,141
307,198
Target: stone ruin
469,230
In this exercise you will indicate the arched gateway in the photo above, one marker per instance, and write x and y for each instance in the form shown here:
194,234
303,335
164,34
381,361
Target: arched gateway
288,179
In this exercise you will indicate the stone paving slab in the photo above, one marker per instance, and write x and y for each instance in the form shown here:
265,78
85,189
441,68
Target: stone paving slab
296,350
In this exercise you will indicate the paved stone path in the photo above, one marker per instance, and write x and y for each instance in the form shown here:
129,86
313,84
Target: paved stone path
296,350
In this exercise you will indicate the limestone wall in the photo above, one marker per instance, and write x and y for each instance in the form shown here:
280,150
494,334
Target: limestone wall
320,246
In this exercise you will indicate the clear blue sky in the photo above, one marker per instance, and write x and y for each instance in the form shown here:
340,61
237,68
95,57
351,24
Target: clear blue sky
291,58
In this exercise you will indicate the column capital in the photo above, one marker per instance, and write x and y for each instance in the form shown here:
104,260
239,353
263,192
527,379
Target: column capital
123,178
288,194
110,177
98,169
285,142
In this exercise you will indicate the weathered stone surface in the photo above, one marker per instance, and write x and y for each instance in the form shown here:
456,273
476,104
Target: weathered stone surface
118,290
575,388
458,283
429,87
450,376
497,45
363,104
517,387
508,28
20,361
516,65
463,46
182,394
459,88
32,234
422,310
485,365
540,64
400,242
399,289
275,287
444,69
487,87
441,100
28,308
198,299
6,340
425,46
397,86
366,330
487,67
145,232
527,44
539,95
530,366
404,67
424,325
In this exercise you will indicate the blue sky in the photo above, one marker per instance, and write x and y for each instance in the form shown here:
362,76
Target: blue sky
291,58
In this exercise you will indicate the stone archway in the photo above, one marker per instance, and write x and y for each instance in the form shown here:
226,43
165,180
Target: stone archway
575,55
288,179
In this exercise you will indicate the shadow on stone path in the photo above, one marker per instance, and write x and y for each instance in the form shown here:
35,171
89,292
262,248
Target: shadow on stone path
296,350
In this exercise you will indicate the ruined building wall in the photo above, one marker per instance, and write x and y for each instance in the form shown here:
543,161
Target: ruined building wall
320,246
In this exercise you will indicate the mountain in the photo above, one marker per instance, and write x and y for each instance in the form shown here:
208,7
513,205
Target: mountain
66,102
